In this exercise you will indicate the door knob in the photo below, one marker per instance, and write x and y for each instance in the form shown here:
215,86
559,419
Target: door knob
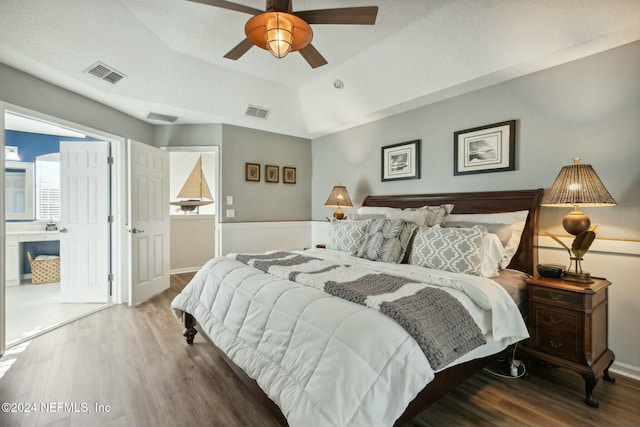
64,230
137,230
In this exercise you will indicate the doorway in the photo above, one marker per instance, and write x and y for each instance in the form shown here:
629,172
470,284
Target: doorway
51,226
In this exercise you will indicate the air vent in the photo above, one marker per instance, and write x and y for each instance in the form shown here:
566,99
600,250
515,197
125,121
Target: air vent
162,117
106,73
258,112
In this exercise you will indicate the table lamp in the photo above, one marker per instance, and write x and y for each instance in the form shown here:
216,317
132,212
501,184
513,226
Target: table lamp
337,199
578,185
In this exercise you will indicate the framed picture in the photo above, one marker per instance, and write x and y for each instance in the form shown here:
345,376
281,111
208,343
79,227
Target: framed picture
271,173
288,175
252,172
401,161
490,148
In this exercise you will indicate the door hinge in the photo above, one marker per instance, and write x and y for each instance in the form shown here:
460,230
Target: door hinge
110,277
110,160
110,218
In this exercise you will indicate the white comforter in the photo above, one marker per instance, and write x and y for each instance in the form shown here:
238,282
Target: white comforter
326,361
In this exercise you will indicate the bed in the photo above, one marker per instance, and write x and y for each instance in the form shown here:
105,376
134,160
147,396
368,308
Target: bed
314,356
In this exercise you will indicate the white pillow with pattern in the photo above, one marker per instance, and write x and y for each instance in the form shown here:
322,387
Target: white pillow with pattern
458,250
346,236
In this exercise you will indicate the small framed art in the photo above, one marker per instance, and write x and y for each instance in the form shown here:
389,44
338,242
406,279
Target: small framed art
252,172
401,161
288,175
271,173
490,148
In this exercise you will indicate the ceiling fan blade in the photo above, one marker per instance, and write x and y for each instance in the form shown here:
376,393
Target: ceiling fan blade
240,49
312,56
229,5
365,15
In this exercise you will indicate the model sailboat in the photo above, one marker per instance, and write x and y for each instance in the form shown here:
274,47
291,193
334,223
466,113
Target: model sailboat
195,190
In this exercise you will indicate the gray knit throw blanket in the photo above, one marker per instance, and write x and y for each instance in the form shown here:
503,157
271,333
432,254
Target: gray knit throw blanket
440,324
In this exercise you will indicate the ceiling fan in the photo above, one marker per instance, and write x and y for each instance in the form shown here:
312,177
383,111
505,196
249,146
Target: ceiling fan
280,30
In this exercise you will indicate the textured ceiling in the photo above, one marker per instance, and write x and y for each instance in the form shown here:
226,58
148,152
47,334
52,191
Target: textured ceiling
419,51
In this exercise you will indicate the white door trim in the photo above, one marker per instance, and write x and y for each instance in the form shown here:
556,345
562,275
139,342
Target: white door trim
118,203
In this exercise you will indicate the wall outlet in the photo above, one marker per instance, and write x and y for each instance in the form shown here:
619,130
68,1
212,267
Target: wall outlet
231,213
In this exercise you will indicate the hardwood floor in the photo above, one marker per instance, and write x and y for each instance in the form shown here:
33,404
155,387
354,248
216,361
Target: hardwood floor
129,366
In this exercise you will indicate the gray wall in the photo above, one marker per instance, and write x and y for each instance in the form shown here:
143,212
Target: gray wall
26,91
262,201
589,108
187,135
252,201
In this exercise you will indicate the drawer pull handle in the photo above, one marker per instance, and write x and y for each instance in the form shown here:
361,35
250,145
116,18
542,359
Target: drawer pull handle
555,297
554,320
555,344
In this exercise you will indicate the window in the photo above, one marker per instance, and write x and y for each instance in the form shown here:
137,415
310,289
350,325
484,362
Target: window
48,187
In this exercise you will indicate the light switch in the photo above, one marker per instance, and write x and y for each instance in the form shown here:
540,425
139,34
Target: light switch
231,213
229,200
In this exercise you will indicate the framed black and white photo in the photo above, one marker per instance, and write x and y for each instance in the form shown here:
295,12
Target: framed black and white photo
271,173
490,148
401,161
252,172
289,175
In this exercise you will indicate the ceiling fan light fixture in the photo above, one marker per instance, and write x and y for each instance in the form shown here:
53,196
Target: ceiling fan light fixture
278,32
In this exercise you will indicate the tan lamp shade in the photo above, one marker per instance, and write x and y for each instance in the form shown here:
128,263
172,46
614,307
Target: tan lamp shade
577,185
338,198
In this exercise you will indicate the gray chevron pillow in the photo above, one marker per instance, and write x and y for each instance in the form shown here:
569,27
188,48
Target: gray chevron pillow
453,249
347,236
386,240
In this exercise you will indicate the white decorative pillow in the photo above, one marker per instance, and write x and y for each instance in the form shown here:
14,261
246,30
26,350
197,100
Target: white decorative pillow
347,236
373,210
426,215
516,221
492,252
503,231
452,249
386,240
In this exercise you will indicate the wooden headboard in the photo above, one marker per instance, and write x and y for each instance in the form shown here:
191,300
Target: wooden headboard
526,257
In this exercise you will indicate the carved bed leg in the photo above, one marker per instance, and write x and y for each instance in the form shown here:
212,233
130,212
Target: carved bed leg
189,327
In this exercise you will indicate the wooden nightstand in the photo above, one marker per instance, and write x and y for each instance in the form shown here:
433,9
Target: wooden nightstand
568,324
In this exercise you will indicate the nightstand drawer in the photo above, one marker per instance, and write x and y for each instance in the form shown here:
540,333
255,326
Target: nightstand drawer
556,319
556,296
561,344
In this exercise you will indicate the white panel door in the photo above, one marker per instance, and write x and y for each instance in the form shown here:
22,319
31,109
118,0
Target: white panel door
148,221
84,222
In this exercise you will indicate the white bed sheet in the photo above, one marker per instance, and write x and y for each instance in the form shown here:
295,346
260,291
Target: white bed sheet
326,361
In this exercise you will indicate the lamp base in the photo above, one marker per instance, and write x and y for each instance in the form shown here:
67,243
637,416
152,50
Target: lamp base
338,214
575,276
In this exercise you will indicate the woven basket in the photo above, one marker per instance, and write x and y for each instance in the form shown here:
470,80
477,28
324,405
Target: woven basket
44,270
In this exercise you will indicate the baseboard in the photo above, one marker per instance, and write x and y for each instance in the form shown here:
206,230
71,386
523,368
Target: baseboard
626,370
184,270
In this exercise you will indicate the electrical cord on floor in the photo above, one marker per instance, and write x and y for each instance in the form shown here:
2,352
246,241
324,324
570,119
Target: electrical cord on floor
515,366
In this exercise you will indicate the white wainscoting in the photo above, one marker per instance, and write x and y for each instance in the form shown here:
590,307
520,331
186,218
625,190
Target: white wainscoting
619,262
264,236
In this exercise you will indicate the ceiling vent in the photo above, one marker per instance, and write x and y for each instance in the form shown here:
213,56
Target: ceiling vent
162,117
104,72
258,112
